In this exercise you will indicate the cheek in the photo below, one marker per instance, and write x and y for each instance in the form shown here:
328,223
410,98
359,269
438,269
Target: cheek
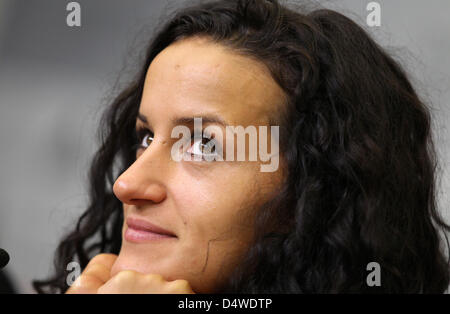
217,220
217,230
209,208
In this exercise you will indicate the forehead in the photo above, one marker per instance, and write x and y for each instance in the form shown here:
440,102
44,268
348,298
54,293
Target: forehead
195,77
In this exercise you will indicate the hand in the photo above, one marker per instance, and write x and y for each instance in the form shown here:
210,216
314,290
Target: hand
96,273
129,281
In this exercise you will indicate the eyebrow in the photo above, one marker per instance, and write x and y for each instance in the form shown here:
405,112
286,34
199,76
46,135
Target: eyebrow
210,118
143,118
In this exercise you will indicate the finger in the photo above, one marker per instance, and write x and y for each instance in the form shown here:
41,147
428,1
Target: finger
96,273
85,284
123,282
105,259
100,266
99,271
179,286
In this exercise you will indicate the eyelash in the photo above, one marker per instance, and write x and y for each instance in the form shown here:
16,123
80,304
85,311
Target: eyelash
142,132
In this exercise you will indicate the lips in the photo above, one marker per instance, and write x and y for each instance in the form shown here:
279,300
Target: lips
139,230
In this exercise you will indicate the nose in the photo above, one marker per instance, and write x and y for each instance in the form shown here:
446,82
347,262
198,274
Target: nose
141,183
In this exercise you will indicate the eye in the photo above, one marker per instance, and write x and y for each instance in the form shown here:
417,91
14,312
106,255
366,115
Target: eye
204,147
146,141
144,138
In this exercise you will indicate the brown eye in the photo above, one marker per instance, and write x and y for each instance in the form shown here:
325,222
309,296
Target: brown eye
146,140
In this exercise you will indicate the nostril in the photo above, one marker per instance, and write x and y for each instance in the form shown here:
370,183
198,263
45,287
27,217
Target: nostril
139,202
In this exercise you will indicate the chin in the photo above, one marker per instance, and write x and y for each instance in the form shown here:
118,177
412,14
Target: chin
135,260
166,267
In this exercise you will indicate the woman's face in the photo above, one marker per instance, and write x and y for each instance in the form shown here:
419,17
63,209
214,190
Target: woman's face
207,206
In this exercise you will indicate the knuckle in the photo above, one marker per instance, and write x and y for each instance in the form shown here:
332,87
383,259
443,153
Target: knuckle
124,275
97,270
83,284
83,280
154,278
93,268
180,285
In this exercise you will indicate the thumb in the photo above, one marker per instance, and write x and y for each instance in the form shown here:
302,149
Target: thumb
96,273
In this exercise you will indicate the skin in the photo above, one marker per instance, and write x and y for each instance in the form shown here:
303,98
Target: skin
208,205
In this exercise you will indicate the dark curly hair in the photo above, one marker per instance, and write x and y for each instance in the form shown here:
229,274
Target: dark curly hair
357,145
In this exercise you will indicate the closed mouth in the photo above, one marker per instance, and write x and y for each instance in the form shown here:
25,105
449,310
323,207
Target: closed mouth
142,229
